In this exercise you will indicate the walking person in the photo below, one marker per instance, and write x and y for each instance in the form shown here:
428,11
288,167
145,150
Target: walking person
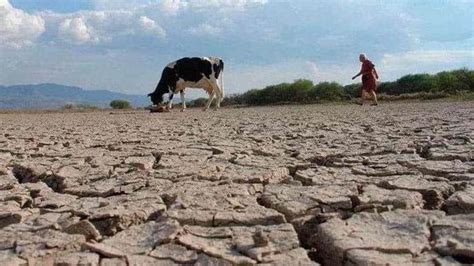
369,76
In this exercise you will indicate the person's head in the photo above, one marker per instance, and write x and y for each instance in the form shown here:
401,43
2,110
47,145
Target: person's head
362,57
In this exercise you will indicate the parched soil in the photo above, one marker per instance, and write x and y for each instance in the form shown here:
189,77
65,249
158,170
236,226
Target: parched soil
291,185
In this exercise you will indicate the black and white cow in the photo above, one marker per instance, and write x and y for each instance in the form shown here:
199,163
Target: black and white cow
191,72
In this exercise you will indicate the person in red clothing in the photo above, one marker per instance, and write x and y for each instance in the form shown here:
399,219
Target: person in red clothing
369,76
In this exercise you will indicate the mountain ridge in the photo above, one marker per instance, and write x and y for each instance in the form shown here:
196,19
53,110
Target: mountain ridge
53,95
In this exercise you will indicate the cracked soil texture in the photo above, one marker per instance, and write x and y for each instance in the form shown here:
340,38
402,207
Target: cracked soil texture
288,185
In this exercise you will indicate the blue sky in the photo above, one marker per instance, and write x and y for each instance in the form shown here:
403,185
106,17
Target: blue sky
122,45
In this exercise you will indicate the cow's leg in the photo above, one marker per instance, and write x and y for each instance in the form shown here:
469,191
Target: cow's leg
220,85
208,104
183,102
221,96
218,99
170,102
217,92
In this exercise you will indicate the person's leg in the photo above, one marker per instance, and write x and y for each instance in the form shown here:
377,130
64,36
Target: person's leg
362,97
374,97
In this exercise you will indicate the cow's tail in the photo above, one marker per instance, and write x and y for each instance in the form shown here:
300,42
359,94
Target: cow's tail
222,77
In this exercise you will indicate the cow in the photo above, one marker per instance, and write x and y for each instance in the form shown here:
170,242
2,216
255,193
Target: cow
191,72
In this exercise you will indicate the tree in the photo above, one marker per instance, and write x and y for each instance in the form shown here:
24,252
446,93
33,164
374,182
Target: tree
120,104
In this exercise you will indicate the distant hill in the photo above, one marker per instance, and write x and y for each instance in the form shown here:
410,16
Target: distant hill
55,96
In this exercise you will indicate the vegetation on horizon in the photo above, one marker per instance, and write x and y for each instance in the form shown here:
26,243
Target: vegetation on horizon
71,106
120,104
417,86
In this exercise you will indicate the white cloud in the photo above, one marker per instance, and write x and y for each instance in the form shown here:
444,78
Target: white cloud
150,26
262,43
244,77
120,17
110,19
119,4
171,7
331,72
225,4
5,3
395,65
424,56
205,29
102,26
75,30
426,60
18,28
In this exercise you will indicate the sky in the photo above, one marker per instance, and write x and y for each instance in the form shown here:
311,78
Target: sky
123,45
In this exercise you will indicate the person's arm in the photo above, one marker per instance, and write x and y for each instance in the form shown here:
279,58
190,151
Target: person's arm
361,72
366,72
358,74
376,74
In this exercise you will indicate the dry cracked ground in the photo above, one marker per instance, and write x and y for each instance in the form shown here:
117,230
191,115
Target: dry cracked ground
292,185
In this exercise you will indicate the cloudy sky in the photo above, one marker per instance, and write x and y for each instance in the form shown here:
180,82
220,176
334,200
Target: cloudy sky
122,45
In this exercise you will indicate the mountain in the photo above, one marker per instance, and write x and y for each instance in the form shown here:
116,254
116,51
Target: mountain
55,96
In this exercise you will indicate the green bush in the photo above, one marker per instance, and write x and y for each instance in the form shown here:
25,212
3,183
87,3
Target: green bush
120,104
299,91
327,92
199,102
68,106
413,96
417,86
447,81
466,78
352,90
233,99
463,96
389,88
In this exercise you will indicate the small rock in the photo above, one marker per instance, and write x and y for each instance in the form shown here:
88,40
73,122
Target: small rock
104,250
434,193
141,239
84,228
374,197
142,163
461,202
260,239
177,253
77,258
454,236
297,201
8,257
113,262
397,235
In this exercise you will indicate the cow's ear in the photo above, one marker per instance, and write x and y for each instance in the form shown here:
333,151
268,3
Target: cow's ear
150,94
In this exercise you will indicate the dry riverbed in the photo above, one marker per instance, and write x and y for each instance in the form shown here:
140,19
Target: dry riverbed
291,185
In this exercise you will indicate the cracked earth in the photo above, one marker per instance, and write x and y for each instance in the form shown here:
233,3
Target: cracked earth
291,185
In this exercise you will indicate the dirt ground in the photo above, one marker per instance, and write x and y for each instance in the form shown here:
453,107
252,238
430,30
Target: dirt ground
288,185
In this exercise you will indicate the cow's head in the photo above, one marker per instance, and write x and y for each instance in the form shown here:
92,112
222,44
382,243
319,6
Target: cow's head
156,98
157,95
